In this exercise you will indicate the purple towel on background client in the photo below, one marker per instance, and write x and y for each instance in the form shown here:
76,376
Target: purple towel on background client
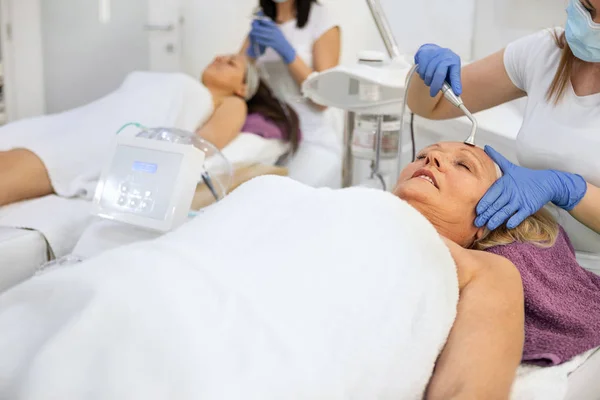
562,301
256,123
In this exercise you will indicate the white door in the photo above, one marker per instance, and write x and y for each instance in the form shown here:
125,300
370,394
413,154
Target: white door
165,30
89,46
21,70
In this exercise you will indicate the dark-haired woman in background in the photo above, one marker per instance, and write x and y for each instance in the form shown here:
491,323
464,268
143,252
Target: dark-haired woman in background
293,39
37,162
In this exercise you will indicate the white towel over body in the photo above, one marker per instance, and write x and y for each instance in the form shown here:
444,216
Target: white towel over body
280,291
75,145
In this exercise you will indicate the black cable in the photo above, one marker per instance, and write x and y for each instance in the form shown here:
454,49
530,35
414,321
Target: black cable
412,136
211,187
382,181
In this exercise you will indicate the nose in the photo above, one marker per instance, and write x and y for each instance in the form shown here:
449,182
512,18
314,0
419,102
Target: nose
434,158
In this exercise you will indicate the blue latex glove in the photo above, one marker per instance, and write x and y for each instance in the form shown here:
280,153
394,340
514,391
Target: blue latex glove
521,192
437,65
255,50
267,33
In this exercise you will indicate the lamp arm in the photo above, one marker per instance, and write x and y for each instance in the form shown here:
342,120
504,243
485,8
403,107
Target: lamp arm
385,31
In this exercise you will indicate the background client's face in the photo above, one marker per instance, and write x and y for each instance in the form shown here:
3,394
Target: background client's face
445,183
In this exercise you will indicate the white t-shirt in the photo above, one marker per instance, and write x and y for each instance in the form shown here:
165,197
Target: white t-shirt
564,137
315,124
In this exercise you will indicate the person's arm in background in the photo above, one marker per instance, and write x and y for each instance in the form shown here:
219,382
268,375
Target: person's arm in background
23,176
244,50
326,55
225,123
481,85
588,210
485,345
326,49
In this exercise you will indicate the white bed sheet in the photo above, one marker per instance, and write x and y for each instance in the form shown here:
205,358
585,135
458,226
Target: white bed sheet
53,225
21,251
49,225
583,382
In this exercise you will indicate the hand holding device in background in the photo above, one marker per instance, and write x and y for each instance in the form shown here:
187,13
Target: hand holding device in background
266,33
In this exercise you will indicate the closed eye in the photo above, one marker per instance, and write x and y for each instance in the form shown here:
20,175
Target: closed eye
465,166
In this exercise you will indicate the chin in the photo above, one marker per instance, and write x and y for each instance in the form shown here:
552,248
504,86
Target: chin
414,190
205,76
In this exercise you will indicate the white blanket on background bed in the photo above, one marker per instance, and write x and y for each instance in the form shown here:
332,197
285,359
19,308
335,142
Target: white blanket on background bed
74,145
280,291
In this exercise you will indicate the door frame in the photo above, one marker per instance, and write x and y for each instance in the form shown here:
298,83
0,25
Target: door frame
22,58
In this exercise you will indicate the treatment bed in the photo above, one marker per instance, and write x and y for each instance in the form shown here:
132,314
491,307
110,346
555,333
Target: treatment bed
41,229
37,231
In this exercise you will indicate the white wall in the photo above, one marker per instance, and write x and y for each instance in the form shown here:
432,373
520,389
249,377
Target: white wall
22,58
82,62
448,23
85,59
498,22
211,28
224,27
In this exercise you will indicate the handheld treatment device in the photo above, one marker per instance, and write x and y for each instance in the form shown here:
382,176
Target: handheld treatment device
151,178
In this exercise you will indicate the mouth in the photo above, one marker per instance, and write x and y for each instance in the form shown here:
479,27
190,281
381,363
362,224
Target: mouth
426,175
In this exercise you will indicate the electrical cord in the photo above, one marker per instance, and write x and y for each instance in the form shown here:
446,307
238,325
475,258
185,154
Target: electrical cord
412,136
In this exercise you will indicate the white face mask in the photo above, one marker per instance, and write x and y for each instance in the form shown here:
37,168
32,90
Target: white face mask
582,33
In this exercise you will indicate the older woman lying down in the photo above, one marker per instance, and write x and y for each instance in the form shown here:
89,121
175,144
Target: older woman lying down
285,291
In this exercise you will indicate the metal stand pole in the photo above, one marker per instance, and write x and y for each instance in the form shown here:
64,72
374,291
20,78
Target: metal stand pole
348,161
393,50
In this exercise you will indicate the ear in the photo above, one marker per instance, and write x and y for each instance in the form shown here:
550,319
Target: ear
481,233
241,91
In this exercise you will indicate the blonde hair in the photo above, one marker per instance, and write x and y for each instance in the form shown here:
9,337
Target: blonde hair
540,229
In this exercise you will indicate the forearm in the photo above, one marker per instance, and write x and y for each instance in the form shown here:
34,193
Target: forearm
485,344
23,176
420,101
588,210
300,71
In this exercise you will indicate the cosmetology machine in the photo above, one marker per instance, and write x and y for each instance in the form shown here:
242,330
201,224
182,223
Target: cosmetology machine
151,177
373,94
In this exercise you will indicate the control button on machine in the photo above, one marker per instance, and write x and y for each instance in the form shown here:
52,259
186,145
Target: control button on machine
147,205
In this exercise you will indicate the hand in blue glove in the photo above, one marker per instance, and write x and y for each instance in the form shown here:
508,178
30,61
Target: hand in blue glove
267,33
521,192
255,50
437,65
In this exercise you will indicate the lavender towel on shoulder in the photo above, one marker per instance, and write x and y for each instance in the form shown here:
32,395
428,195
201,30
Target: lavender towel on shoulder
562,301
256,123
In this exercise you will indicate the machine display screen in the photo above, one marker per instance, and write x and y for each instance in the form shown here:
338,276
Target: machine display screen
140,166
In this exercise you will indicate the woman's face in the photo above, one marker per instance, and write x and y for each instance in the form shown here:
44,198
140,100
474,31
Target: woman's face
445,183
227,73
